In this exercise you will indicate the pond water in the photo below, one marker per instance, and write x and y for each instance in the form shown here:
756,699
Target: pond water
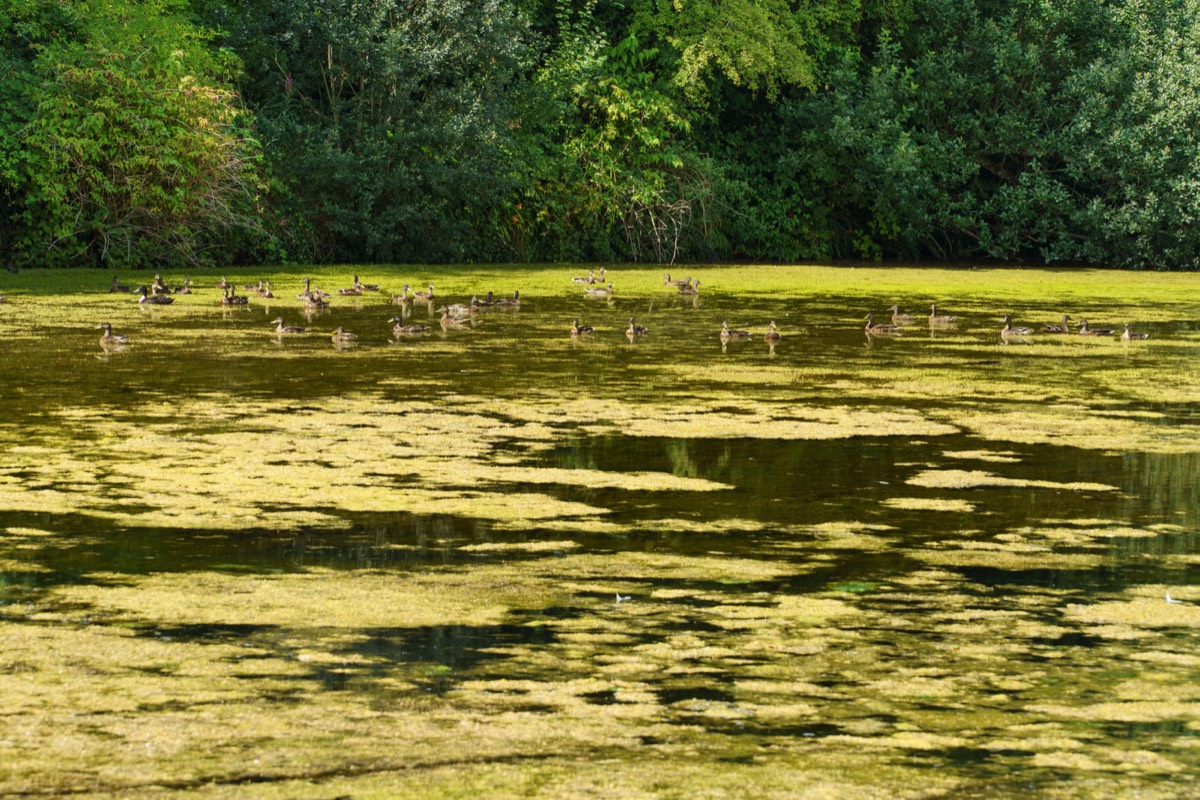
500,558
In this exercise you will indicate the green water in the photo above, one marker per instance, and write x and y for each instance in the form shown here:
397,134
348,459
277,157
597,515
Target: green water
931,564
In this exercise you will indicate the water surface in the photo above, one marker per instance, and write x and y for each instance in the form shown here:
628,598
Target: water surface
500,559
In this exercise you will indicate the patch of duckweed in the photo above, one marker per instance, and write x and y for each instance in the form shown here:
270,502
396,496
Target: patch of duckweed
954,554
733,629
12,565
994,456
855,587
28,532
929,504
1139,612
521,547
317,598
853,536
1072,426
977,479
1100,530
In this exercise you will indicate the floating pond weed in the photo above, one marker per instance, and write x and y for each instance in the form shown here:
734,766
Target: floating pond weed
496,561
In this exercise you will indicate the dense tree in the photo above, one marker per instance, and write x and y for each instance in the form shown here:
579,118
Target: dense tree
1026,131
121,142
471,130
390,126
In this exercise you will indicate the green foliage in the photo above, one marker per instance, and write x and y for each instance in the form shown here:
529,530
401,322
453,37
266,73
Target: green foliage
474,130
390,125
1008,131
762,45
625,183
130,149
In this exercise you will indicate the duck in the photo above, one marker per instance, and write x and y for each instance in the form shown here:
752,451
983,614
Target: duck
229,298
252,287
599,291
1129,335
898,316
510,302
727,333
281,328
580,330
486,302
692,288
399,328
224,284
634,330
154,299
159,286
460,310
939,319
448,321
668,281
110,339
366,287
1084,330
117,288
424,297
589,278
1063,328
342,336
186,288
265,291
313,297
872,329
597,278
1010,330
353,291
772,335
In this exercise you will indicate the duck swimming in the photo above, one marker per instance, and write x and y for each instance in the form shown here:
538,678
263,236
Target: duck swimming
154,299
1084,330
1010,330
1129,335
110,339
281,328
1063,328
634,330
872,329
940,319
399,328
727,333
580,330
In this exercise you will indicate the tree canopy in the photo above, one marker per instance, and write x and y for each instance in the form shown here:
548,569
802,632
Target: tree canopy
141,132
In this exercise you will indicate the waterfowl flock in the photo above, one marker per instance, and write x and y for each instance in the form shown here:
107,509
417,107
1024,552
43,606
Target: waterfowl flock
597,284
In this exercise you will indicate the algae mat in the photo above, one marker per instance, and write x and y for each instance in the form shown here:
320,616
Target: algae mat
492,558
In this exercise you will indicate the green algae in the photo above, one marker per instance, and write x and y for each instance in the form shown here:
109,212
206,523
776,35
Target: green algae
498,562
974,479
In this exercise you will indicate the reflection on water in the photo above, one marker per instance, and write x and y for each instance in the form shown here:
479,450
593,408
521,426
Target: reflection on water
893,547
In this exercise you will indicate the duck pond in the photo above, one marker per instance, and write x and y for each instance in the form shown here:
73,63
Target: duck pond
497,559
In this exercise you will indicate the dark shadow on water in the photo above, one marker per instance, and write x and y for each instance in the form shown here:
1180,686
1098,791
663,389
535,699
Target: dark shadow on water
671,695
